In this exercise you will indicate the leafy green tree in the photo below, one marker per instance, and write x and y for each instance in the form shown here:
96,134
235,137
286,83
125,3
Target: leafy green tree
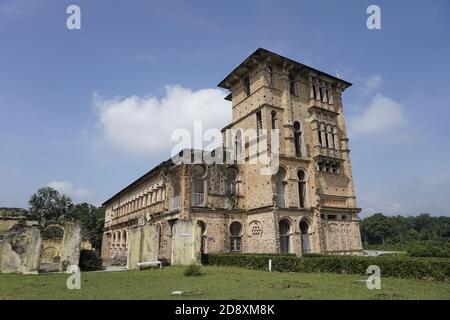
47,204
92,221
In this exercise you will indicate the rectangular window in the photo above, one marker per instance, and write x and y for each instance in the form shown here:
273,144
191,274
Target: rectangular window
235,243
258,123
331,217
292,85
247,85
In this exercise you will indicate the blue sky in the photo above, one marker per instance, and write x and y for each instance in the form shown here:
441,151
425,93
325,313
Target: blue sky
66,96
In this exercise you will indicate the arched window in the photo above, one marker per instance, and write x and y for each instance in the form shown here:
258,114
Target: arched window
202,226
271,76
231,187
301,188
292,87
198,185
298,139
274,119
238,156
304,230
281,175
235,236
285,232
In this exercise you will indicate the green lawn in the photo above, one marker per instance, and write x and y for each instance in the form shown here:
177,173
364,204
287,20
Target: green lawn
216,283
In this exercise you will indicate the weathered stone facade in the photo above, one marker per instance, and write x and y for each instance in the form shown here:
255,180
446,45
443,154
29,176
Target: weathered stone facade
308,205
23,249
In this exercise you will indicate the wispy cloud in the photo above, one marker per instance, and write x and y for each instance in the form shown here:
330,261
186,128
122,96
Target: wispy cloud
373,83
381,116
68,189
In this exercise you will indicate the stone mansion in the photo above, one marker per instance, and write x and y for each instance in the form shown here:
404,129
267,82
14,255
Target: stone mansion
307,206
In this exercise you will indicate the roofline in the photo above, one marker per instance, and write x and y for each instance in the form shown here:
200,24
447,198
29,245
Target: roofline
139,180
258,51
163,164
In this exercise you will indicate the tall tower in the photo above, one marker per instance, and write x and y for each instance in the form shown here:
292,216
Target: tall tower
310,199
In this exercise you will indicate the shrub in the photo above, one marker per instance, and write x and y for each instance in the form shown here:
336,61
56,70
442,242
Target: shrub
280,262
90,261
400,267
193,270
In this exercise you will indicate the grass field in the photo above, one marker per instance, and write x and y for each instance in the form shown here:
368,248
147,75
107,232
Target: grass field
216,283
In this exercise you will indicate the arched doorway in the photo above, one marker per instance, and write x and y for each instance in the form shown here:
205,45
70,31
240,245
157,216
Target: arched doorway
304,231
285,233
202,237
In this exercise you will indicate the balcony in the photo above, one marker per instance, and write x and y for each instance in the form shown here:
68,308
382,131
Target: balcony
174,203
198,199
328,152
337,201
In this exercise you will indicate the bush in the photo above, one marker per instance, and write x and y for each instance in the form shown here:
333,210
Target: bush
193,270
90,261
280,262
400,267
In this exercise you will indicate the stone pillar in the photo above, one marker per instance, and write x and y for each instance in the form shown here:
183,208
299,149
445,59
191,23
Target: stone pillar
185,190
70,249
186,242
134,248
106,248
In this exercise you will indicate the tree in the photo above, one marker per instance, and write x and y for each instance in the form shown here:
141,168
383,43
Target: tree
92,221
47,204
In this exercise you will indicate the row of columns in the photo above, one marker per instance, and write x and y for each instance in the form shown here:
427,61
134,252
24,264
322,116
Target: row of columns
145,198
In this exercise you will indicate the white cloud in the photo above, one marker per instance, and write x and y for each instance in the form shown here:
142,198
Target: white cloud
372,83
143,125
68,189
382,116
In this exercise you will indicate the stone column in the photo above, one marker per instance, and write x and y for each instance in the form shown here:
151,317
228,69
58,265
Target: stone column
185,190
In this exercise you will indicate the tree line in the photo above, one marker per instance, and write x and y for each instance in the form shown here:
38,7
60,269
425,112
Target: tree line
421,235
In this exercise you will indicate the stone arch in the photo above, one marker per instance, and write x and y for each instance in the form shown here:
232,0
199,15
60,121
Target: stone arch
198,180
305,235
302,189
298,139
203,236
69,245
50,255
285,232
236,230
281,182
